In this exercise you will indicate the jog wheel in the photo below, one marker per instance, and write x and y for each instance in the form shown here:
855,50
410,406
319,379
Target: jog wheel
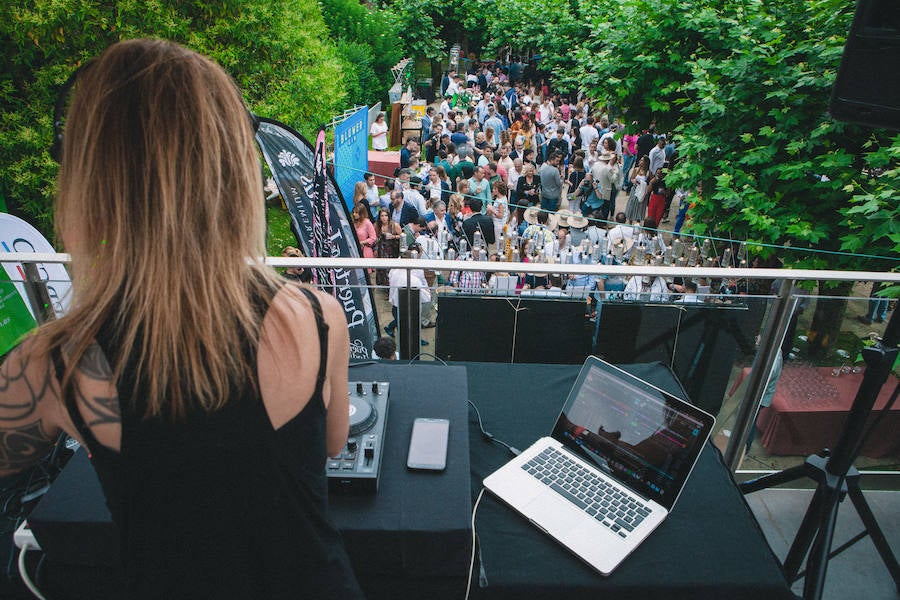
362,415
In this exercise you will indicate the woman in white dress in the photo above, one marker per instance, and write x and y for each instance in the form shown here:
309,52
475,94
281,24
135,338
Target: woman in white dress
637,203
379,133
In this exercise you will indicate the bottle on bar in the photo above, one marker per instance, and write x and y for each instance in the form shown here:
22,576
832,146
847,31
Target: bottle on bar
451,254
694,256
704,248
726,257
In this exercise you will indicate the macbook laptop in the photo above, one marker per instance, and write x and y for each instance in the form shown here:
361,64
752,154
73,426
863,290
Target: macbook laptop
612,469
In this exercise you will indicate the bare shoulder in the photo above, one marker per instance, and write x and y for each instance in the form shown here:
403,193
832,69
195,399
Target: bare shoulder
288,355
29,403
292,303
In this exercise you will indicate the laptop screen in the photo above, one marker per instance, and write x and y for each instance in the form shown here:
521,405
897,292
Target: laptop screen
645,438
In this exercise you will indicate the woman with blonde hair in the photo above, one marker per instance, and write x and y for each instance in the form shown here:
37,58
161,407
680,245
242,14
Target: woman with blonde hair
360,195
455,207
207,389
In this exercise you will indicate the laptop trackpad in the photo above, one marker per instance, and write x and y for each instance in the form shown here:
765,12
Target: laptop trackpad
552,513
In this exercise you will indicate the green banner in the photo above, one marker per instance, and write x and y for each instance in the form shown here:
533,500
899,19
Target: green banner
15,319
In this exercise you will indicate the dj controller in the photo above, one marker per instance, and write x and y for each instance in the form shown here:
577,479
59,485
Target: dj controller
358,466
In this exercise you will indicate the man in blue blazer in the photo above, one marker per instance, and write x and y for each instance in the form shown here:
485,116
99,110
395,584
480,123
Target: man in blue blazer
402,212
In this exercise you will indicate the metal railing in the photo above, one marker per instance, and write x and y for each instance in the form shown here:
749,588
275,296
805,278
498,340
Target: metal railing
776,323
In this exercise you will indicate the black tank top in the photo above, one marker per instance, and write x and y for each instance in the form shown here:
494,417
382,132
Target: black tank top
221,505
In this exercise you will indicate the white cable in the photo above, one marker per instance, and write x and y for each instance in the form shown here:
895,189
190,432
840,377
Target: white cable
516,309
23,573
472,561
682,312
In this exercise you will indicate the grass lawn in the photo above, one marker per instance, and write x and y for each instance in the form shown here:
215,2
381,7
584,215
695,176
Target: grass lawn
278,224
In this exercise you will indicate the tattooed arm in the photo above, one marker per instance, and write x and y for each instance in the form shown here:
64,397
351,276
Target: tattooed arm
32,413
28,393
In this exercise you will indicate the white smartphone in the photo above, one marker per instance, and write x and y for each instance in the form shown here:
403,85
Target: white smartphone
428,445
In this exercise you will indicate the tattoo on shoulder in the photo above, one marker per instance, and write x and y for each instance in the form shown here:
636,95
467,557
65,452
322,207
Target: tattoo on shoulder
21,447
24,383
93,363
102,410
26,387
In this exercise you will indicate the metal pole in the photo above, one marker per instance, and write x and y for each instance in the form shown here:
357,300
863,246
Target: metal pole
769,344
38,296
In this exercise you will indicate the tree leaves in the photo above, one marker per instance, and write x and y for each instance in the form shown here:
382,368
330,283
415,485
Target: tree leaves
274,49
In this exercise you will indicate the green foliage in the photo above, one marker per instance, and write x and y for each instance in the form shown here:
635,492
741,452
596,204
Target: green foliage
551,28
419,22
872,218
367,41
275,50
362,85
745,85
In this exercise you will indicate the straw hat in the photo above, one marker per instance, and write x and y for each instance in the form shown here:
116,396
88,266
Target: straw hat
531,214
606,156
569,219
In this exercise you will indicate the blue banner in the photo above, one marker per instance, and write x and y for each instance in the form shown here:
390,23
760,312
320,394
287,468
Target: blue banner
322,225
351,152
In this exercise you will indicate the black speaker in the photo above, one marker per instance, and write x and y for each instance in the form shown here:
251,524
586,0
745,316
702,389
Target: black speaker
867,89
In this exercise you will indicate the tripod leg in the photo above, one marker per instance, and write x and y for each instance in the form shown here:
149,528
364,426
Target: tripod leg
768,481
874,531
804,537
817,564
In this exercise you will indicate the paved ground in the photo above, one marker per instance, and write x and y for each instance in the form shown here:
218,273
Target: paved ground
856,573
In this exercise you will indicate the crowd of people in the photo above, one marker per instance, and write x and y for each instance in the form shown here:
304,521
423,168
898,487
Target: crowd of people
512,171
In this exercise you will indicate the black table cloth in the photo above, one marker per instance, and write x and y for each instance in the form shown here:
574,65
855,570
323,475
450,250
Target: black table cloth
709,547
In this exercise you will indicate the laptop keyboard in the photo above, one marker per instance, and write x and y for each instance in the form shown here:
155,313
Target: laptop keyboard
616,509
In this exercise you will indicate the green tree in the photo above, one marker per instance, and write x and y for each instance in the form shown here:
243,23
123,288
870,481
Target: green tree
275,50
551,29
368,41
745,85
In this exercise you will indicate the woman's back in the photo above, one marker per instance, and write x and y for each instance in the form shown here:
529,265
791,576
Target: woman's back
234,502
188,368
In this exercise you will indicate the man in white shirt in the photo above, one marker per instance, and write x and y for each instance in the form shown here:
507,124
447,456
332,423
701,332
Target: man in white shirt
512,175
658,155
607,175
588,133
454,86
414,195
620,232
445,104
397,279
646,288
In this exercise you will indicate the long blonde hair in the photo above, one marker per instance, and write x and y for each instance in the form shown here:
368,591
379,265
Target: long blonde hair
359,192
160,205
